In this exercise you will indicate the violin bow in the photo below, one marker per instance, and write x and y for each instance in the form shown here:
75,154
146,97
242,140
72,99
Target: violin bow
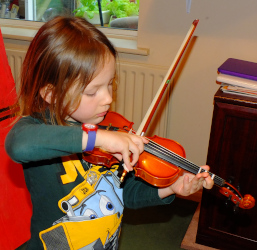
152,108
158,96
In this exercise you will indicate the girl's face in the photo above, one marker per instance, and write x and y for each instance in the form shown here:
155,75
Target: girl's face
97,96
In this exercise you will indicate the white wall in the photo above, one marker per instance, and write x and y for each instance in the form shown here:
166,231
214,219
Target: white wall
227,28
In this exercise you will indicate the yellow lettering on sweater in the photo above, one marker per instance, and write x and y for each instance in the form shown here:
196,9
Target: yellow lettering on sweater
72,166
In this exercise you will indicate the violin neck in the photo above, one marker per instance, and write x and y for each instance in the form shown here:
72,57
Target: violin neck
179,161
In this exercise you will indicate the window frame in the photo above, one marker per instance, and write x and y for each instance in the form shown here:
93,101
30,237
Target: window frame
125,41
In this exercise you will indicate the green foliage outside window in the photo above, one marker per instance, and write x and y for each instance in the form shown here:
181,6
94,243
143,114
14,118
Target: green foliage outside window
117,8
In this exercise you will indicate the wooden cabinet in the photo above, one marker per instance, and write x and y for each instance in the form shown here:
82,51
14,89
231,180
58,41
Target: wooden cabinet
232,155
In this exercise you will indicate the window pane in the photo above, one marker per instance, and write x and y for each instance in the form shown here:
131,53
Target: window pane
114,13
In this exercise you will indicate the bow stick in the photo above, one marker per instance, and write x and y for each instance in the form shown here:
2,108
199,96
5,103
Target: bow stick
152,108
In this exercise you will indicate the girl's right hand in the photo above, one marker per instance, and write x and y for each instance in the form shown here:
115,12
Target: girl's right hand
121,145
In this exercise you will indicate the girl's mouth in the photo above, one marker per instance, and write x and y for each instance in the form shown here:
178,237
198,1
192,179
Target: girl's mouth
102,114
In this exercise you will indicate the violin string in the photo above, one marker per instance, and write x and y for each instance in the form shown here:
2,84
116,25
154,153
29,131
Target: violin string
179,161
164,152
191,167
183,163
168,153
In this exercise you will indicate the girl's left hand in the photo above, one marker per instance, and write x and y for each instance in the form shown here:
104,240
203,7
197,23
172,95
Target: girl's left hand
188,184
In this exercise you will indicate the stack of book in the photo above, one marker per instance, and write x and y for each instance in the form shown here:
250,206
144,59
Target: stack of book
238,77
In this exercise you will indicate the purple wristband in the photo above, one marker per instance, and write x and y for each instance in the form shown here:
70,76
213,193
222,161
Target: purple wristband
90,141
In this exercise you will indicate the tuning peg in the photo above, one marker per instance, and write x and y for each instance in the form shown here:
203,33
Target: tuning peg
228,201
231,179
236,208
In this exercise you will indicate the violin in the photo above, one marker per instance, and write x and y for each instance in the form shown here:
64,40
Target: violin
163,160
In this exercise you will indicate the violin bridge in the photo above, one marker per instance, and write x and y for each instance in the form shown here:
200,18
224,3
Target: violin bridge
108,128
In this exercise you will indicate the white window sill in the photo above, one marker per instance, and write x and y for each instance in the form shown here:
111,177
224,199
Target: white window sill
125,41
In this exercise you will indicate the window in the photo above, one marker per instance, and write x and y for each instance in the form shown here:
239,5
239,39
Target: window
112,13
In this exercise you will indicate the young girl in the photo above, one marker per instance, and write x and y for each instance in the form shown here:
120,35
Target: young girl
66,89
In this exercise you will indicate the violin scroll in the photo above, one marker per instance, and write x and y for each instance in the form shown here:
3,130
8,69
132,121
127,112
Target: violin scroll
234,195
247,202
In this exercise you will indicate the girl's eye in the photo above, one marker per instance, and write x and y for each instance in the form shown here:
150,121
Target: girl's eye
90,95
89,92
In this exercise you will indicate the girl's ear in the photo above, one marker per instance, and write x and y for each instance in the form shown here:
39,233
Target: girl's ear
46,93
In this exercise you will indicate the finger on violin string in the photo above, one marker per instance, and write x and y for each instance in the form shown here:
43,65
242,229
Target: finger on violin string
206,167
203,175
208,184
138,142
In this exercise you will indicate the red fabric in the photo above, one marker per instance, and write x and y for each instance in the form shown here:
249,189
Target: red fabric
15,206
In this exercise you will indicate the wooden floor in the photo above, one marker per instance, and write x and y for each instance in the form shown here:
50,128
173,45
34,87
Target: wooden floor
188,242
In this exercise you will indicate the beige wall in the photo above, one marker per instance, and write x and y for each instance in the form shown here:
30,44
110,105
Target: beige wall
227,28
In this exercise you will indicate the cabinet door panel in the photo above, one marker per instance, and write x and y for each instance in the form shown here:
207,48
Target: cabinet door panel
232,155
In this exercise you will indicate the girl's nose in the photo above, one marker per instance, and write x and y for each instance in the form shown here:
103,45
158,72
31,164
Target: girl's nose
108,98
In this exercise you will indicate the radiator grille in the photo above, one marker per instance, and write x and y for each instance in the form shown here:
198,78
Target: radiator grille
15,59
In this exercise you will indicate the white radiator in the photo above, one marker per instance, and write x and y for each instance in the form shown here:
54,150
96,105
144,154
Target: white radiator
136,87
15,59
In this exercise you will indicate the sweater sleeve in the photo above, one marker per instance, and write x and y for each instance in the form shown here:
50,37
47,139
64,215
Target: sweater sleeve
139,194
30,140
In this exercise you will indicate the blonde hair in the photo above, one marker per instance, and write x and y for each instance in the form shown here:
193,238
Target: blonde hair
65,51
